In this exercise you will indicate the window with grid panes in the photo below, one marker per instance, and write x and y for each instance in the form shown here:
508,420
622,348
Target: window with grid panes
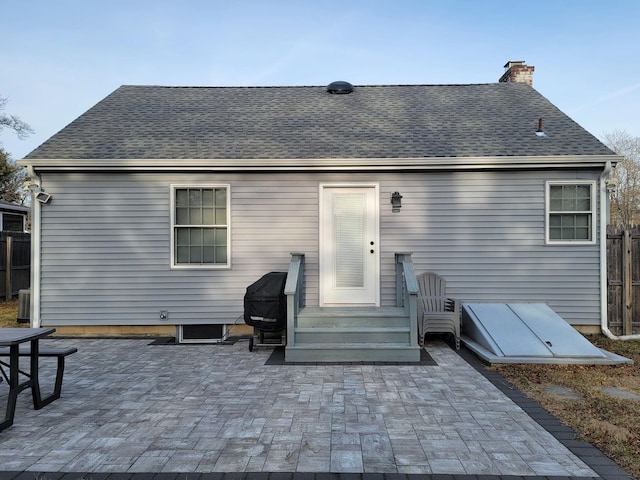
200,226
570,214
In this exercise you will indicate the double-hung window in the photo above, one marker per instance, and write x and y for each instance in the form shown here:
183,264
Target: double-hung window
200,226
571,212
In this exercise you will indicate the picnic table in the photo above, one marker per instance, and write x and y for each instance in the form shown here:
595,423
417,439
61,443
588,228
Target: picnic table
24,342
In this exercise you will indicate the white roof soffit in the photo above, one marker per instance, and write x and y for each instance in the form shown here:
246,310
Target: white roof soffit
347,164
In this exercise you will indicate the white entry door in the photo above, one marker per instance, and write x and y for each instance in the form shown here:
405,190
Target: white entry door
349,245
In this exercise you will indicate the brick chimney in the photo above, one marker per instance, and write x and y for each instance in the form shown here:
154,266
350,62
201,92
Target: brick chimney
518,71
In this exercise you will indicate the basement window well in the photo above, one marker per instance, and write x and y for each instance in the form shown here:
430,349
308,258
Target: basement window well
200,333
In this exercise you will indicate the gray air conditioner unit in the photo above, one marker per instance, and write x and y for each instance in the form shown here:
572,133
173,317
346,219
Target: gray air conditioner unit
24,306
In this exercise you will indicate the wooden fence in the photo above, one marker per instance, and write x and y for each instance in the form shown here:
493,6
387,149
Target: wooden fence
623,281
15,252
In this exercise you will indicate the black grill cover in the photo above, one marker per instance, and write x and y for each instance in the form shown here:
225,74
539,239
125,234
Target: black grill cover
265,304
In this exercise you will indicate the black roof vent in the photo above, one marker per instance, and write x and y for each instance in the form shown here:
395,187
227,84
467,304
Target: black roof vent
340,87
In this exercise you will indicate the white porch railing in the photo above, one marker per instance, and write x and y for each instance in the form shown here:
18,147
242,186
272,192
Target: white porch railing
407,292
294,290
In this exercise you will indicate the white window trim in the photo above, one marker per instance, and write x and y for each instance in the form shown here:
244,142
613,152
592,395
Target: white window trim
23,217
209,266
547,212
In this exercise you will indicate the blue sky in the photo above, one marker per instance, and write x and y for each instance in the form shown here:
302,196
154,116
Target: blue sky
59,58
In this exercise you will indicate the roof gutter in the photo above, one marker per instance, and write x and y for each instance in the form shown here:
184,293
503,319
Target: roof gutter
604,207
321,164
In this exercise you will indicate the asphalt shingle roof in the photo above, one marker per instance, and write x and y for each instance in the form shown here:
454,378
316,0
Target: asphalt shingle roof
407,121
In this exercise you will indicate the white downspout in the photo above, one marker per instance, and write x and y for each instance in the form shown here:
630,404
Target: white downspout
35,249
604,215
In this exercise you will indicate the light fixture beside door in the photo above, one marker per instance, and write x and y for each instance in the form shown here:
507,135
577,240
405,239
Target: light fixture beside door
396,202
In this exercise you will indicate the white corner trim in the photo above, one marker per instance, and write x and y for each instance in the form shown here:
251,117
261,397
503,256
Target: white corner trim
36,241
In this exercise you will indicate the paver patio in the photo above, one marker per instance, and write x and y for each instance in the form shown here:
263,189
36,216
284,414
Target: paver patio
128,406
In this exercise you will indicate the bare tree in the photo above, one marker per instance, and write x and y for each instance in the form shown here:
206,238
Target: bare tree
625,201
12,177
13,122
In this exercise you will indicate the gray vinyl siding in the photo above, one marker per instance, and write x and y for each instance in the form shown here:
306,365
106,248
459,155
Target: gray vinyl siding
484,232
106,243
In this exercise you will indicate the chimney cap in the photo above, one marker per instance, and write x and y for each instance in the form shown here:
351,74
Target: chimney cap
512,63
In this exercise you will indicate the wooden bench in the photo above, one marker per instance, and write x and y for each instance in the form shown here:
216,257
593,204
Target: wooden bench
59,353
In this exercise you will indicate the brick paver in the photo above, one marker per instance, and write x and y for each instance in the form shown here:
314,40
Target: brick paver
130,408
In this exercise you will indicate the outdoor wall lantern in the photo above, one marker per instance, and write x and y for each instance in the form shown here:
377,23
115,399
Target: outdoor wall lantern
396,202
